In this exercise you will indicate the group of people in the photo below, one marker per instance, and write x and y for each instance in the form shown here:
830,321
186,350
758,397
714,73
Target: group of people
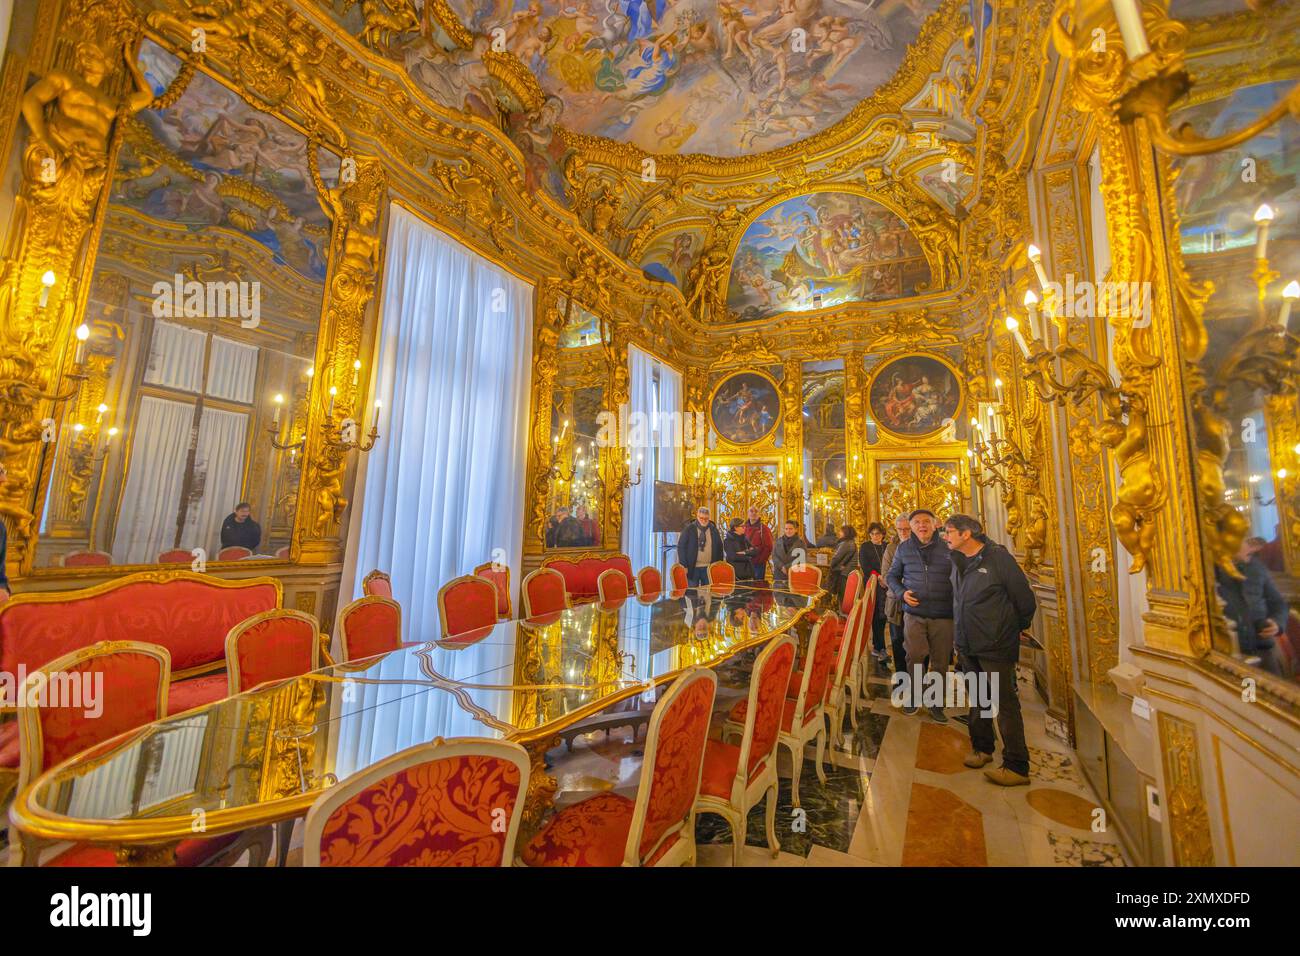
946,587
576,529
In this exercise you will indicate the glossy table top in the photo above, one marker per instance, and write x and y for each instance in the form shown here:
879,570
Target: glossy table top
266,754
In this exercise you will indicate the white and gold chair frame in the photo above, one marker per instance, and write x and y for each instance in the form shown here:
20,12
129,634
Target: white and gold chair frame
538,573
745,795
437,749
233,676
844,678
345,651
609,574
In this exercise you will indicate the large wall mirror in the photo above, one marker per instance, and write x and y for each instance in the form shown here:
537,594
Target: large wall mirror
1239,210
575,504
202,309
826,470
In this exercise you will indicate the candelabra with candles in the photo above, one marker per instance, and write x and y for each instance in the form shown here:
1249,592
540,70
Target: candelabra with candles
996,459
626,481
708,482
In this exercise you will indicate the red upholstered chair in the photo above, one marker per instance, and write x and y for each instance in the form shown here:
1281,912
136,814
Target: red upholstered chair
805,580
128,681
611,586
89,559
845,671
736,778
499,575
803,716
447,803
722,577
544,593
369,626
271,646
681,580
658,827
852,591
176,556
649,582
377,583
467,607
234,553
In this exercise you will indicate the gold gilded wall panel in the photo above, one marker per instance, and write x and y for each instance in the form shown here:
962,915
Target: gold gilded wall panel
1189,817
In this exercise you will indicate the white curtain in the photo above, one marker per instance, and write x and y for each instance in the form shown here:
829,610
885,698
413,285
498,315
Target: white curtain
443,489
160,441
655,399
219,464
231,370
176,357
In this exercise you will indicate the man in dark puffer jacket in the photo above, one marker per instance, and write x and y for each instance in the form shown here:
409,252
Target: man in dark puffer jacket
992,604
920,579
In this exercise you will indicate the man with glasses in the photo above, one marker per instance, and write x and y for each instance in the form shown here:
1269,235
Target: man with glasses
698,546
920,578
992,604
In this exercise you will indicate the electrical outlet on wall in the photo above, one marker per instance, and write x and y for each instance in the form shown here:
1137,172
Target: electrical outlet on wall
1153,803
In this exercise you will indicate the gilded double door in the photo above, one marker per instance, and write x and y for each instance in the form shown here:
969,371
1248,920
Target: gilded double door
745,486
903,485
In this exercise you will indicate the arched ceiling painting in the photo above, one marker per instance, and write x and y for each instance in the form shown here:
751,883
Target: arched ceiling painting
822,250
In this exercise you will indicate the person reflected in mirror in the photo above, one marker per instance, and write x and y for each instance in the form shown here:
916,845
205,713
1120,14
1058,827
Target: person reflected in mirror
870,556
590,531
786,550
829,538
1255,606
563,530
760,536
738,552
844,560
698,546
239,530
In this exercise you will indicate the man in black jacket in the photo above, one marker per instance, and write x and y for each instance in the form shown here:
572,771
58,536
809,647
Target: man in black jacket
1255,605
992,604
920,579
239,530
698,546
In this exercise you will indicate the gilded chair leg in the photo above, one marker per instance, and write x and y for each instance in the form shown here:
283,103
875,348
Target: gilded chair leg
853,706
796,757
737,825
283,834
773,846
821,749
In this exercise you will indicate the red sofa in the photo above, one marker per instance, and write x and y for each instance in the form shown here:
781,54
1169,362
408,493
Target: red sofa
187,613
580,572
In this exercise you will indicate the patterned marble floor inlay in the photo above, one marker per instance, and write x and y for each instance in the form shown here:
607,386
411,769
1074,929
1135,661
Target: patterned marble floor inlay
1062,807
941,749
943,830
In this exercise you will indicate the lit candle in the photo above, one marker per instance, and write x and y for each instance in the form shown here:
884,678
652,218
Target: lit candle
356,371
83,333
1289,295
1014,328
997,384
378,407
112,433
279,401
1263,218
1036,258
1031,307
100,410
310,371
47,283
1130,28
333,391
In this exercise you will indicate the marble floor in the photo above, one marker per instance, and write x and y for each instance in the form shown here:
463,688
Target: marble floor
896,794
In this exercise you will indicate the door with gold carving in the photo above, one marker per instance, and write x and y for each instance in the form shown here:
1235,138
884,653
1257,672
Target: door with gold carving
746,486
907,484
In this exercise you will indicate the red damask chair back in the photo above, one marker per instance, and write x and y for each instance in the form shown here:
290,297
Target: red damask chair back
544,593
805,580
447,803
767,690
722,576
369,626
176,556
681,580
499,575
827,636
852,591
89,559
234,553
649,582
271,646
670,776
466,605
378,584
97,692
611,586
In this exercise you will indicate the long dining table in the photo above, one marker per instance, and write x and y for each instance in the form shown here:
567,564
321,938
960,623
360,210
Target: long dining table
266,755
